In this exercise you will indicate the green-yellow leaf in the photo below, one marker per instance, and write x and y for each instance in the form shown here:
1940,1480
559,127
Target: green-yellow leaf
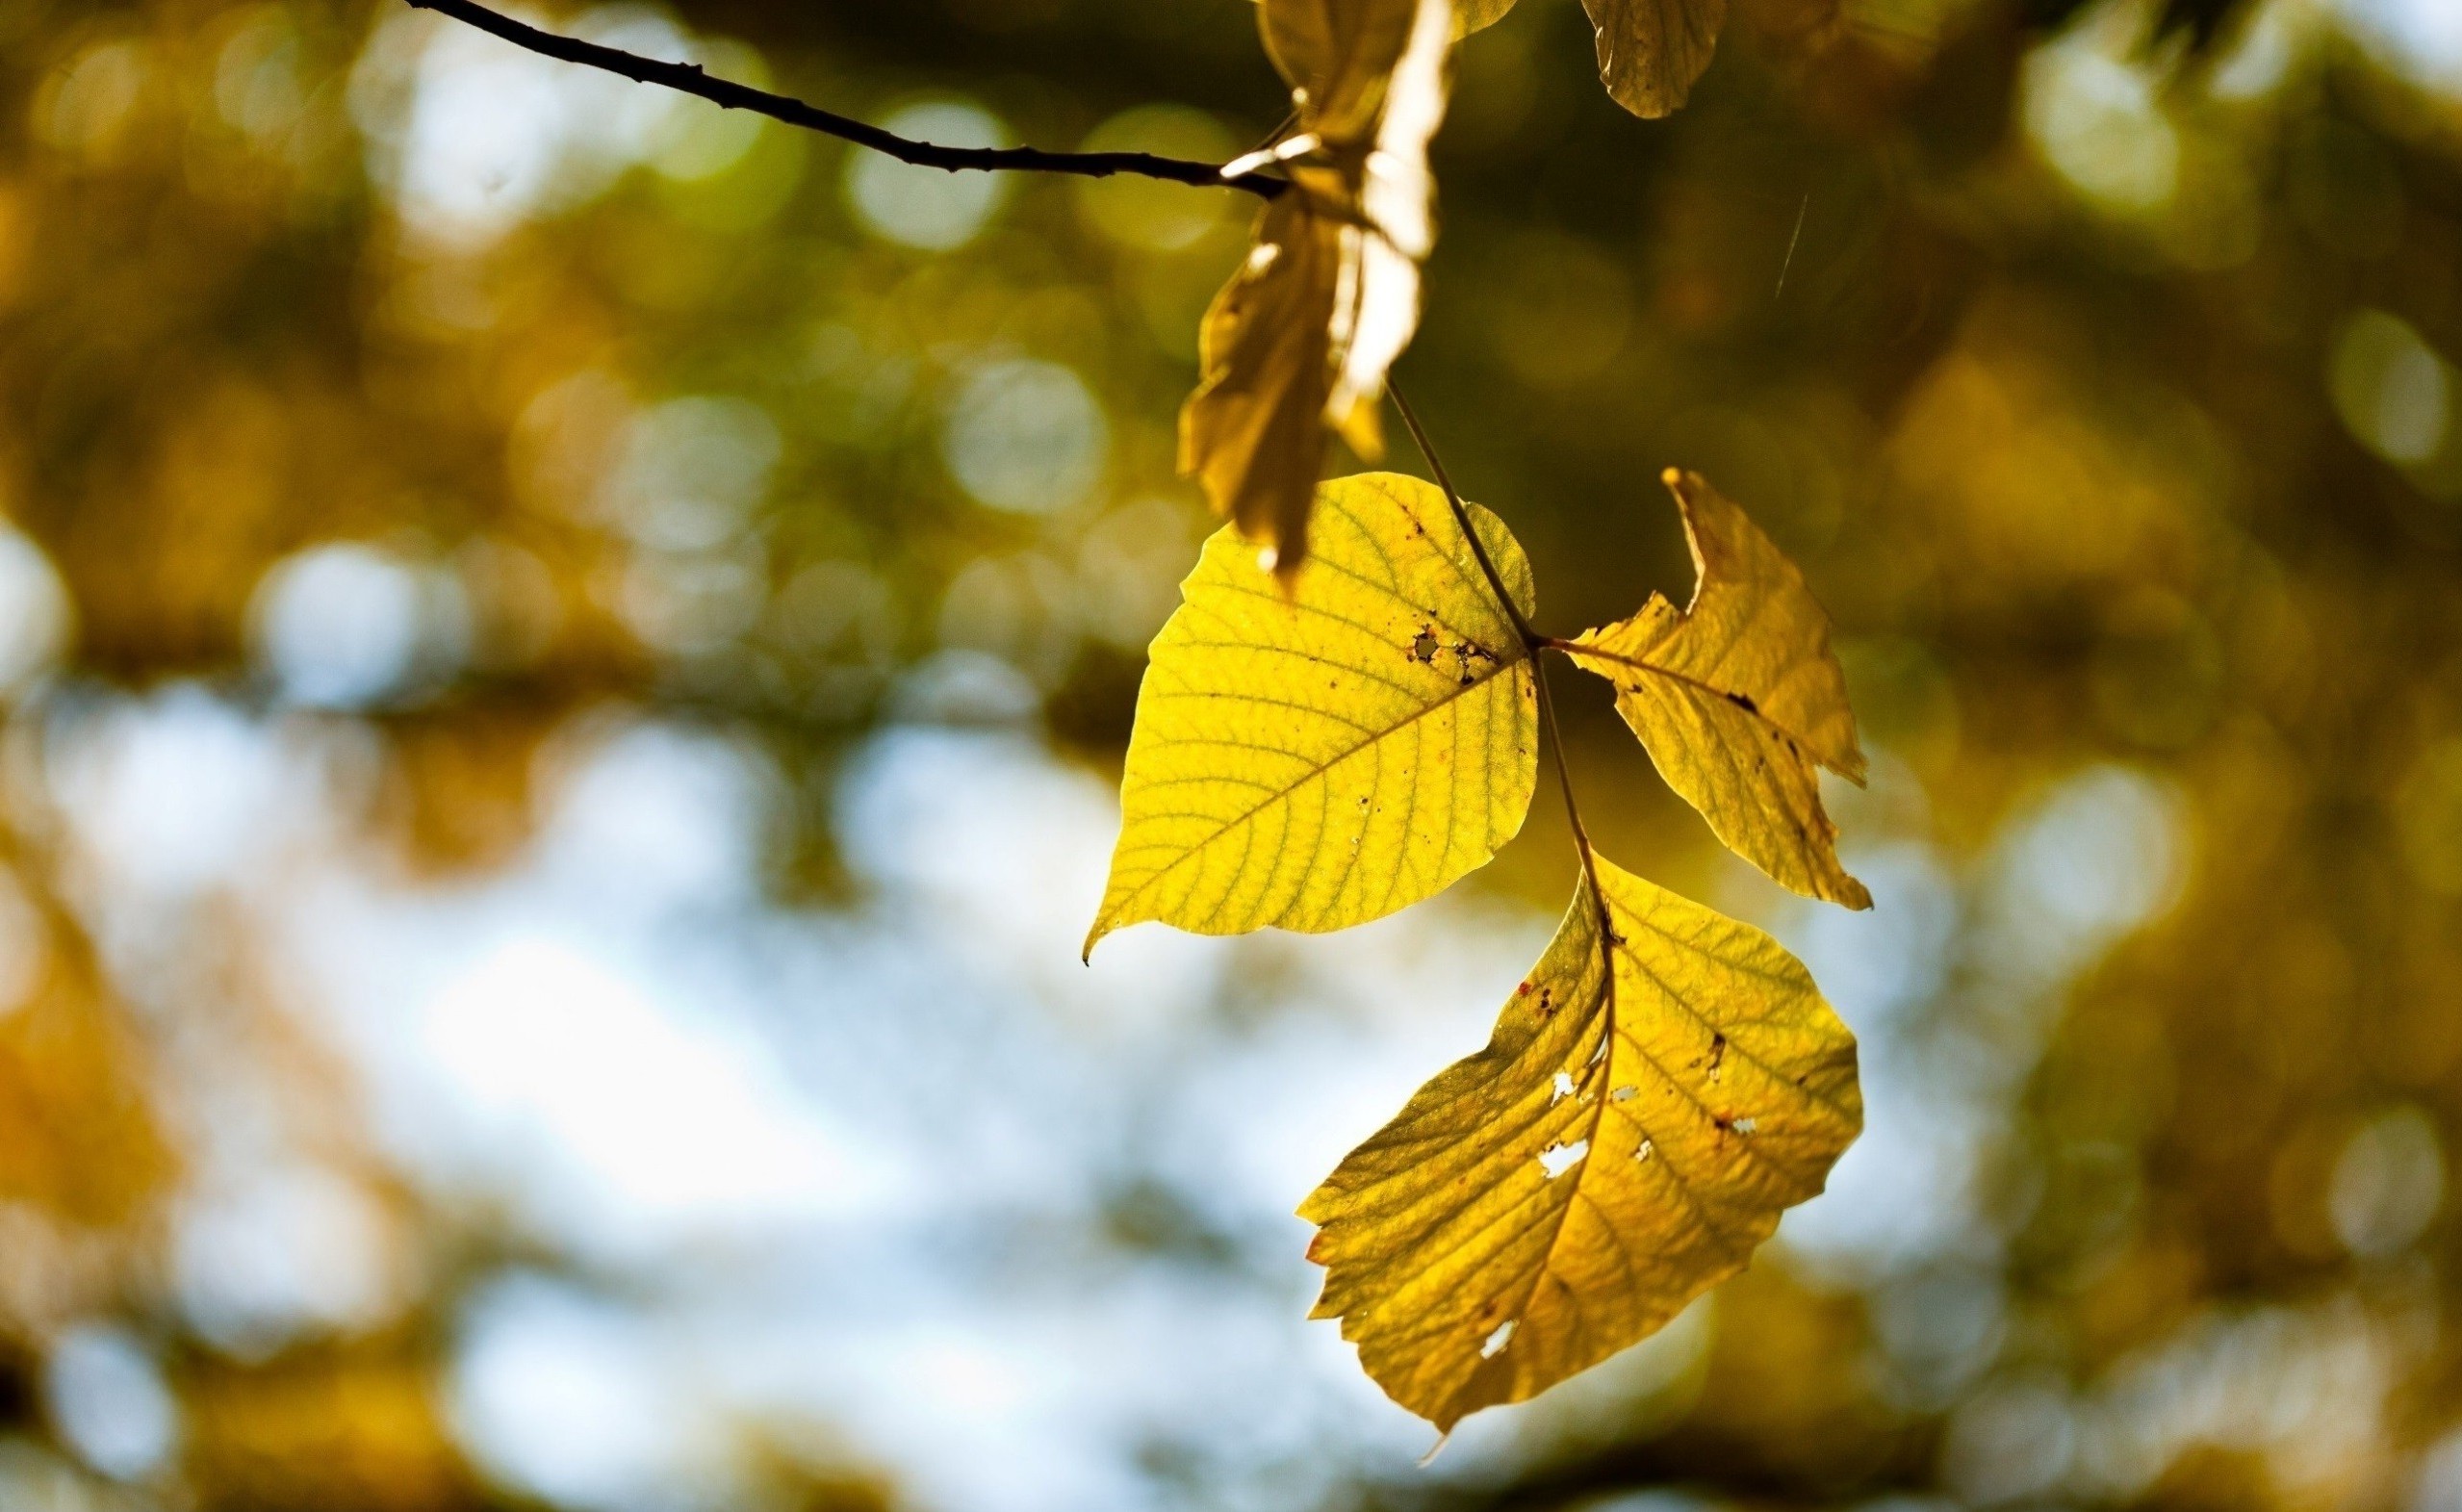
1661,1088
1738,698
1317,758
1651,51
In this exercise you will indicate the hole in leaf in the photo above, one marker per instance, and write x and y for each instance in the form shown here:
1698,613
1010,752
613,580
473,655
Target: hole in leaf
1647,1150
1563,1087
1557,1158
1496,1341
1624,1094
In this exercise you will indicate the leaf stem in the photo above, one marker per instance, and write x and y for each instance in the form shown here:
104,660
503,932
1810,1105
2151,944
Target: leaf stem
1564,781
689,79
1531,639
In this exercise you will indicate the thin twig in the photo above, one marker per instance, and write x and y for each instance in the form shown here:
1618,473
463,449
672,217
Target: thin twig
1281,129
1564,781
689,79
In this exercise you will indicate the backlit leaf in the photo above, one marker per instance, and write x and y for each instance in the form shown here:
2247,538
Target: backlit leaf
1322,757
1738,698
1661,1088
1472,16
1651,51
1339,57
1303,334
1253,434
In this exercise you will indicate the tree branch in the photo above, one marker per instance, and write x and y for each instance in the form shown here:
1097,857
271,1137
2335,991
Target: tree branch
689,79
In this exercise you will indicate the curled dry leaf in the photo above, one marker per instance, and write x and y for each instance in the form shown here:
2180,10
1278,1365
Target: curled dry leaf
1339,58
1320,757
1738,698
1253,435
1301,337
1663,1086
1651,51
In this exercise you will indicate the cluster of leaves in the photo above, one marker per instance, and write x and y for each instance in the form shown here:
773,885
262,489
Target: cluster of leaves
1300,340
1346,721
1323,752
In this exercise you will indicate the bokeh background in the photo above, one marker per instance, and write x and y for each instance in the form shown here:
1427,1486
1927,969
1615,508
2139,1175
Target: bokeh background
565,654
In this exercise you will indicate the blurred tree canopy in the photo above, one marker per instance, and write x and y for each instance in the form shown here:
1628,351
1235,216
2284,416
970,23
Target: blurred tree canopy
417,411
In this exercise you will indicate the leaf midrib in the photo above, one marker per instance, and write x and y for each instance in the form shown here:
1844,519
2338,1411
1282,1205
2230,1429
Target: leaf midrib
1312,774
1588,647
1610,1030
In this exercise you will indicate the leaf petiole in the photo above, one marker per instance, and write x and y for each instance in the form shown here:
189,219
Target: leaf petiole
1531,639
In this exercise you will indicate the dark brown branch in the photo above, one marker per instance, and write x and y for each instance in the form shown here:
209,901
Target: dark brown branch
689,79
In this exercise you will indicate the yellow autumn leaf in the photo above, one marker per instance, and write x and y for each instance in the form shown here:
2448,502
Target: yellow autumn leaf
1301,337
1339,57
1322,757
1651,51
1253,434
1738,698
1663,1086
1474,15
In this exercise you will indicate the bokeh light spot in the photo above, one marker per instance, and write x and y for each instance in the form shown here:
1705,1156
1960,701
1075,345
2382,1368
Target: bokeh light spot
33,611
87,105
690,469
1026,436
2097,121
109,1401
1149,214
344,626
2391,387
2427,813
562,1395
929,208
2388,1184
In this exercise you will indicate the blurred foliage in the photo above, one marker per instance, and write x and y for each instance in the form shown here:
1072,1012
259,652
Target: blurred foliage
2105,389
